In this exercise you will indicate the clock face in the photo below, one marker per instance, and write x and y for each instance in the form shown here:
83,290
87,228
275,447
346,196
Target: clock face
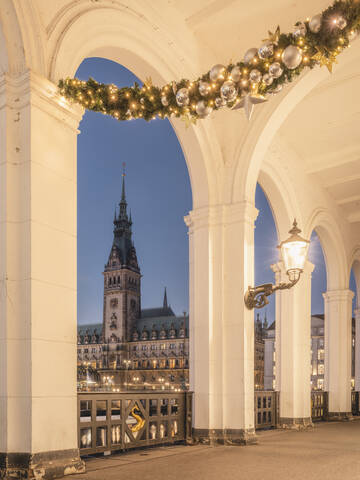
114,302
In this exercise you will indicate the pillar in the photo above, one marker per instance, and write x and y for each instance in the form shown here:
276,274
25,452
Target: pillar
338,333
38,408
357,350
293,334
221,328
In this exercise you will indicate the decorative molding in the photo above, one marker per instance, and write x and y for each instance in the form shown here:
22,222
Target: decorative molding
338,295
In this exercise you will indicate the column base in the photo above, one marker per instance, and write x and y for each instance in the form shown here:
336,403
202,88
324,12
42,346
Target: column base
235,437
40,466
339,416
296,423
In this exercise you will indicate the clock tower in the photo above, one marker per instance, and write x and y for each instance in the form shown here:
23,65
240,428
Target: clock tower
122,279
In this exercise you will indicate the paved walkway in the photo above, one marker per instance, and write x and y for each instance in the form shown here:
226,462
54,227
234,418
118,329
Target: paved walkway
331,451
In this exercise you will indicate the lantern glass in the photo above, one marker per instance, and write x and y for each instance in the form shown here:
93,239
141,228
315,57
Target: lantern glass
294,251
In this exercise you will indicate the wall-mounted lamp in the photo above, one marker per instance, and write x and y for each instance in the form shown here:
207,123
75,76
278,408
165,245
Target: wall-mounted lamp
293,253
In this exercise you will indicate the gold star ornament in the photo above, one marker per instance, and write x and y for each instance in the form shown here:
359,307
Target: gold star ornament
325,59
273,37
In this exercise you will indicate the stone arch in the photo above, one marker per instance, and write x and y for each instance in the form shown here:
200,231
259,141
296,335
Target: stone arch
355,267
130,41
281,199
332,245
12,53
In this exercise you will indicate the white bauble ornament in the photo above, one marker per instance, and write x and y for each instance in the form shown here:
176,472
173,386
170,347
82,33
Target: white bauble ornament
202,109
266,50
275,70
255,75
228,91
182,97
236,74
204,88
217,72
315,23
164,101
250,54
291,57
267,79
219,102
299,30
341,22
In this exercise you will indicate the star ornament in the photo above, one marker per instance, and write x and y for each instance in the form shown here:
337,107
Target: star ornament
247,103
323,60
273,37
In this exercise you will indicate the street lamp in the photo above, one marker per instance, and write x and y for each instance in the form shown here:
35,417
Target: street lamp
293,253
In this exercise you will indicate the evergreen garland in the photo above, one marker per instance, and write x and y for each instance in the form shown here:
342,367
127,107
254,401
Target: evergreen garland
147,101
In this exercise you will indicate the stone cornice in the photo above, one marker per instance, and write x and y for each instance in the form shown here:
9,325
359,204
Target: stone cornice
29,88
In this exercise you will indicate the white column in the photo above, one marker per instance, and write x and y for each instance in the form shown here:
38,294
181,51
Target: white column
293,327
238,323
221,328
357,350
205,292
338,351
38,405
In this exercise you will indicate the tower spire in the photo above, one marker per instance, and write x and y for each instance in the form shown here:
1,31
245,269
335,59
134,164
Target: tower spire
165,303
123,199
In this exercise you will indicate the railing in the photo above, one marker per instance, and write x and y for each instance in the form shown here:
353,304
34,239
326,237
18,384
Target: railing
120,421
266,409
355,403
319,406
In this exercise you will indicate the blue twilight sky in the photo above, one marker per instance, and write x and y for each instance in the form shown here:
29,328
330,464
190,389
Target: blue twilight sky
159,195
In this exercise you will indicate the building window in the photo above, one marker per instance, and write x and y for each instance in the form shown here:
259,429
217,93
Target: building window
135,347
172,363
321,354
181,346
162,346
154,363
172,346
321,369
320,383
93,350
143,347
153,346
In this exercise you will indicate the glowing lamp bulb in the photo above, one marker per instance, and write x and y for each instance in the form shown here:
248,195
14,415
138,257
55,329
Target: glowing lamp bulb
294,252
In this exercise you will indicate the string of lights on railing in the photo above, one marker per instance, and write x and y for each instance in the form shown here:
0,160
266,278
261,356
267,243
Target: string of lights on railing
262,71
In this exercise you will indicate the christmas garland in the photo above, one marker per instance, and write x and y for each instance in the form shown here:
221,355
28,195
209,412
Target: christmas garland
263,71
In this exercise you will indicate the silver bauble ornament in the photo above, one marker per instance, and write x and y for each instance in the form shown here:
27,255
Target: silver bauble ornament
275,70
341,22
219,102
266,50
315,23
182,97
228,91
267,79
204,88
217,72
255,76
202,109
236,74
277,89
142,101
291,57
164,101
299,30
250,54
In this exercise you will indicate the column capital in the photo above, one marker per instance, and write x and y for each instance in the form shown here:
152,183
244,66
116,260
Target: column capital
29,88
213,215
338,295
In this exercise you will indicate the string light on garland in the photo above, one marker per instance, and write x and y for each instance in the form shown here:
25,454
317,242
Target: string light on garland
262,71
